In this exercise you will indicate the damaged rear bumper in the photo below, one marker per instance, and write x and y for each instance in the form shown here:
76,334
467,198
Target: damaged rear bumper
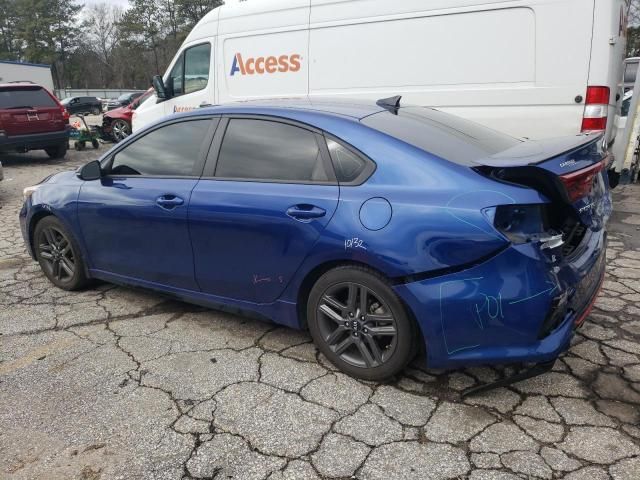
523,305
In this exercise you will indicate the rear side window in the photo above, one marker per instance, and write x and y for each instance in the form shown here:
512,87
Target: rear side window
172,150
272,151
25,98
447,136
347,164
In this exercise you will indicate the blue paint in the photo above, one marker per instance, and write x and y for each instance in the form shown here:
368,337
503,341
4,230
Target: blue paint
232,244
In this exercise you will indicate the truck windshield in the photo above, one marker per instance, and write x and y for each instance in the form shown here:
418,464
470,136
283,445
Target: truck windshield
27,97
447,136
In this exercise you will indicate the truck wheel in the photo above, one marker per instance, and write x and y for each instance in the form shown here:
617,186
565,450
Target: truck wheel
95,144
57,151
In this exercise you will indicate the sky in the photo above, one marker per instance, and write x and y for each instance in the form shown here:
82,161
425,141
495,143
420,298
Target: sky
122,3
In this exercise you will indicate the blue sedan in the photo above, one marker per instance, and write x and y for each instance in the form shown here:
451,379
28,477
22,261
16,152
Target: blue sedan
382,229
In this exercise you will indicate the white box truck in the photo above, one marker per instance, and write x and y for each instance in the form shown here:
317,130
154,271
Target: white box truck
26,72
530,68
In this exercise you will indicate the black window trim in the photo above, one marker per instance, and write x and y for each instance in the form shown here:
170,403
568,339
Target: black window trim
214,152
367,171
198,165
181,59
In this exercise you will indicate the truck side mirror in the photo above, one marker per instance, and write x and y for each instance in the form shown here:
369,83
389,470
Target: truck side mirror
158,86
91,171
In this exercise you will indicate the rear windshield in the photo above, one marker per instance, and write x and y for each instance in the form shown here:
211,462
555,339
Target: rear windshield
25,98
447,136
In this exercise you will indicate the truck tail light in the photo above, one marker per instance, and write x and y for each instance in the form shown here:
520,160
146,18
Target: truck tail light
65,114
596,109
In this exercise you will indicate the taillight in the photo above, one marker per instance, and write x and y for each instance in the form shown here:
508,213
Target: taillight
65,114
578,184
596,109
520,223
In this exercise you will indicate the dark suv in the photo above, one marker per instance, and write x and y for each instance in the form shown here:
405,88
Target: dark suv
31,118
80,105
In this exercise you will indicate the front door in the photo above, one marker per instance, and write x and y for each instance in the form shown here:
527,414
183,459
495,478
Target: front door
134,220
271,194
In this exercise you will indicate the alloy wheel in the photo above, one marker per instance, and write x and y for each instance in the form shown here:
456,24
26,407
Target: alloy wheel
120,129
357,324
54,248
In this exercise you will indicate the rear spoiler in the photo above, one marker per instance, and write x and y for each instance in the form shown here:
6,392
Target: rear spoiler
533,152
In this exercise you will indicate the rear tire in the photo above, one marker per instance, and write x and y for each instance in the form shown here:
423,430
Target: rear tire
58,151
360,324
58,254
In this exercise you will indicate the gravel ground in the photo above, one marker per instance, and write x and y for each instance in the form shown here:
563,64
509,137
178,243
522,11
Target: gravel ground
117,383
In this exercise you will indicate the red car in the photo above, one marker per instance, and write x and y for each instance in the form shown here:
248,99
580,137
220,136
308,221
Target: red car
117,123
31,118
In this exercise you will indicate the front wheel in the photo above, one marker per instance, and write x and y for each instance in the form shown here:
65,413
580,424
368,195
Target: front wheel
57,151
359,323
58,255
120,129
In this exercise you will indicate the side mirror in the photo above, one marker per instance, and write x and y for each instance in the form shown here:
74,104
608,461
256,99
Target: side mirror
158,86
91,171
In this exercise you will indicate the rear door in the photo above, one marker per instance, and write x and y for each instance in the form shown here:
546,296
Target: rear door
28,110
269,194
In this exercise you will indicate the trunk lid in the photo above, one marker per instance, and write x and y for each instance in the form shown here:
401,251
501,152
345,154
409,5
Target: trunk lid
569,170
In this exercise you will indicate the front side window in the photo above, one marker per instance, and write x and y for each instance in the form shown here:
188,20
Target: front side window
196,67
172,150
266,150
191,71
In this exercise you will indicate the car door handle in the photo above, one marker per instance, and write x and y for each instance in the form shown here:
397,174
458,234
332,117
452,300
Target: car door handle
305,212
169,202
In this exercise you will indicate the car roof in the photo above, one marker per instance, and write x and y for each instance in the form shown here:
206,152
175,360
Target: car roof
20,85
354,109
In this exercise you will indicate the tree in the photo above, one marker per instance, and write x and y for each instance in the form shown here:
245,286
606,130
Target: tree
191,11
98,46
45,32
103,35
9,41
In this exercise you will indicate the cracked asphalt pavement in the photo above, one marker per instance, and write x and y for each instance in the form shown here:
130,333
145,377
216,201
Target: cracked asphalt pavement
115,383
